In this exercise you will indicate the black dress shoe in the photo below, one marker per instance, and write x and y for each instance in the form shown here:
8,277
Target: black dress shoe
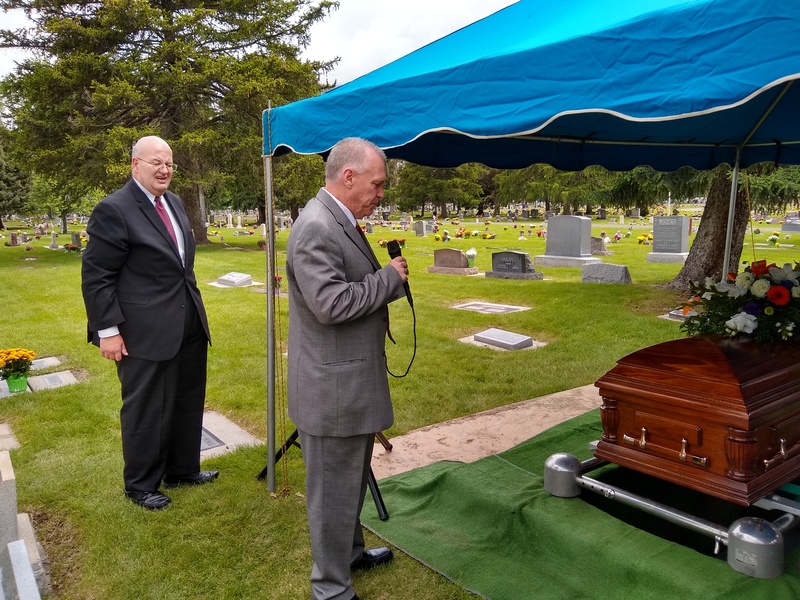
372,558
196,479
148,500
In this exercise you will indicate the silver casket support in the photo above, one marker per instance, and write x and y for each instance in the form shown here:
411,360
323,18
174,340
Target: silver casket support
755,545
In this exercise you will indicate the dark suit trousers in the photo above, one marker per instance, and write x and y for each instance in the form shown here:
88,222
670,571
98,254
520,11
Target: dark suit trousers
162,410
337,471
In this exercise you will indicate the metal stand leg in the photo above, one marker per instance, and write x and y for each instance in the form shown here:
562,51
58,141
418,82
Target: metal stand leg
372,483
290,441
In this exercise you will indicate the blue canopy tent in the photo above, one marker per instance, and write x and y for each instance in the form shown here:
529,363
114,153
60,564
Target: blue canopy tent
573,83
621,83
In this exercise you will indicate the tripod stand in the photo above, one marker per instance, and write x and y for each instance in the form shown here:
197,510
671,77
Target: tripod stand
372,483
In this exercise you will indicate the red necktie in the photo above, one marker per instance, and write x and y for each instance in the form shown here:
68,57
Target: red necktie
165,217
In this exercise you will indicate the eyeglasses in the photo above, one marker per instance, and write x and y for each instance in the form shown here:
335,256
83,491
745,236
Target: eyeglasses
158,165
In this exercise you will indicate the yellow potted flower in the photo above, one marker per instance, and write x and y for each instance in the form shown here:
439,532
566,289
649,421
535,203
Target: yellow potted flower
14,366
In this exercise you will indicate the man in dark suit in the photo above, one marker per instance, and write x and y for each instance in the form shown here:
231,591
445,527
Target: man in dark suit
338,390
145,312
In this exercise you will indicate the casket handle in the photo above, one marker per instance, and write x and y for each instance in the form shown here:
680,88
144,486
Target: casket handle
683,456
782,456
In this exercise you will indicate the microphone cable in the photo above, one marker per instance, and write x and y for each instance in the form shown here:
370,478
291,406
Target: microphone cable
394,251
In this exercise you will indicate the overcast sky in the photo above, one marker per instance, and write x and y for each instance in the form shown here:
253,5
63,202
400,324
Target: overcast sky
367,34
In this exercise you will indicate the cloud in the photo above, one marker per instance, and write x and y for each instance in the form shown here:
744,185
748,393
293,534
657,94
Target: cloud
367,34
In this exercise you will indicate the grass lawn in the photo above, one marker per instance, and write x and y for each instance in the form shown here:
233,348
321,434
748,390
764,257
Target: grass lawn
232,539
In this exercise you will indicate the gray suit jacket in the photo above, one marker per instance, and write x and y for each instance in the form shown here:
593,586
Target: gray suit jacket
338,292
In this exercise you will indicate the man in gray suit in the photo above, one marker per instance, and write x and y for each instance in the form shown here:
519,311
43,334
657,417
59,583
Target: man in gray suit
338,389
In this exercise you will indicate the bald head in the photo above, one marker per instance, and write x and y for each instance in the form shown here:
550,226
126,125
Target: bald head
152,165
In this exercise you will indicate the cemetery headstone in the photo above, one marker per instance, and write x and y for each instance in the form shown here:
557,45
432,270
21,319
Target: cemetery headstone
504,339
76,239
370,227
421,229
8,500
513,265
450,261
635,213
234,279
605,273
670,240
53,243
790,226
263,230
599,247
568,242
534,213
14,241
238,221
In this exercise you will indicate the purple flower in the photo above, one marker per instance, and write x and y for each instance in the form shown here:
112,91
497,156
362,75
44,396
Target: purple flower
753,308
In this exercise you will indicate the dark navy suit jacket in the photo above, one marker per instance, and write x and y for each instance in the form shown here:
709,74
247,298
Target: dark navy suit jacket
132,275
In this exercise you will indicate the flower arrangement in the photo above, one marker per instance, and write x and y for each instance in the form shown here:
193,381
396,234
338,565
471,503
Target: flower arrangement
15,362
762,301
261,244
382,242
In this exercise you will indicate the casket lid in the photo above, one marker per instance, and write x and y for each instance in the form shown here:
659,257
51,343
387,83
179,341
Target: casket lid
730,370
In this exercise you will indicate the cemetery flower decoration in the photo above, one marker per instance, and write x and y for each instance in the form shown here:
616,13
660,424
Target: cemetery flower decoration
762,302
401,241
15,362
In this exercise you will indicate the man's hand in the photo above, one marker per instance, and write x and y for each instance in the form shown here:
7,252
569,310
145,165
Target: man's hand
113,348
401,266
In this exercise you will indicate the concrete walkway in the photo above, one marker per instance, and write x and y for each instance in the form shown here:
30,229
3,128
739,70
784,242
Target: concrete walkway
473,437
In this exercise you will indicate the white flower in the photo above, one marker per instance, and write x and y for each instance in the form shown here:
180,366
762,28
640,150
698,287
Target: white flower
707,296
730,289
709,283
759,288
744,279
741,322
785,273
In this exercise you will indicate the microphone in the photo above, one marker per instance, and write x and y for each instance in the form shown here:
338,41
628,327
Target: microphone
394,251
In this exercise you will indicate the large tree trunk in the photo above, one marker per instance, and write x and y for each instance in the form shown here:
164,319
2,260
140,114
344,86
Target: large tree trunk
194,200
708,250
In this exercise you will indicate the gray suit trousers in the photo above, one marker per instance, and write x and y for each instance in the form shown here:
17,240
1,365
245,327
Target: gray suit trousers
337,471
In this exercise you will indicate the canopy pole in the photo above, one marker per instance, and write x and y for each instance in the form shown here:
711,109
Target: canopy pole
731,215
270,228
735,181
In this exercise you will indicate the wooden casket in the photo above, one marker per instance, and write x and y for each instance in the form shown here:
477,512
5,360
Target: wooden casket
720,416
